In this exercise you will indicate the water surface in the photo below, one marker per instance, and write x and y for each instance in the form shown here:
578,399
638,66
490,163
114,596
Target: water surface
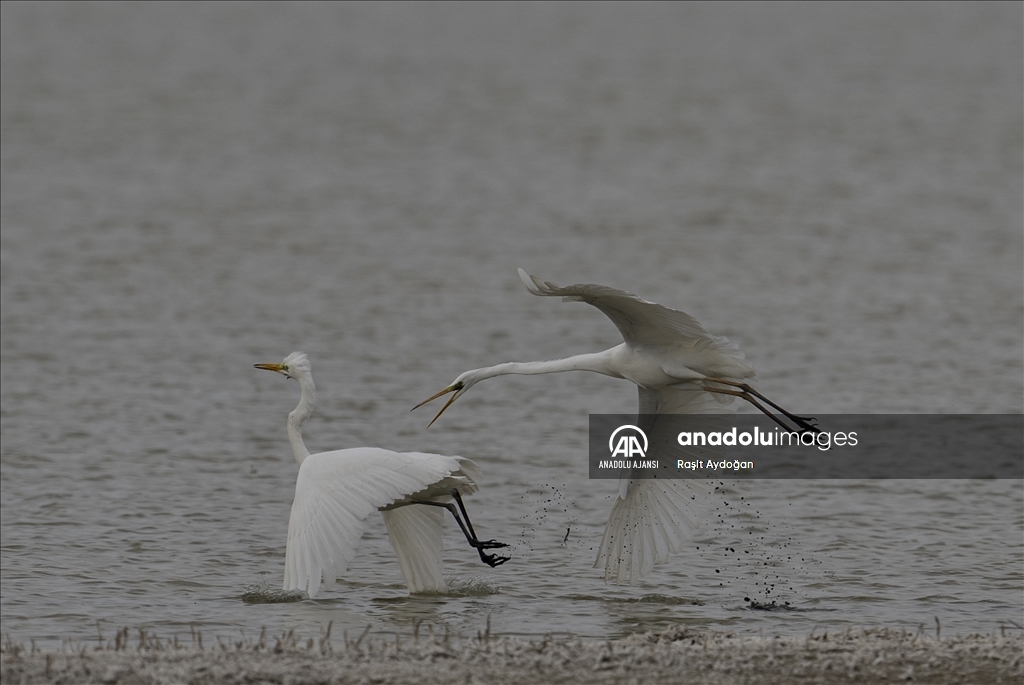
190,190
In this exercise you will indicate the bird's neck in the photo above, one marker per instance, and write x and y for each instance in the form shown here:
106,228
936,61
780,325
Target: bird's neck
298,415
598,362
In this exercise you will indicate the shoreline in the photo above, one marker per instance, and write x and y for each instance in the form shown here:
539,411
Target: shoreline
674,655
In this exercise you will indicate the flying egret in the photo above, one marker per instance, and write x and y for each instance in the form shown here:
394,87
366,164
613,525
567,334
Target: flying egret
336,491
678,368
666,353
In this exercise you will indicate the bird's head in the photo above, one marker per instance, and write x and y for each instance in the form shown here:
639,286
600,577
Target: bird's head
296,365
459,386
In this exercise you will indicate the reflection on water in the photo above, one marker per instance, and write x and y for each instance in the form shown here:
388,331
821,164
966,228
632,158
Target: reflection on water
186,193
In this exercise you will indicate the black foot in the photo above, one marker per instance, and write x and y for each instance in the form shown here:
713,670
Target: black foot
493,560
807,424
489,544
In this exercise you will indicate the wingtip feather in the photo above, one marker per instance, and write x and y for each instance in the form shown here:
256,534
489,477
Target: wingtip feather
532,283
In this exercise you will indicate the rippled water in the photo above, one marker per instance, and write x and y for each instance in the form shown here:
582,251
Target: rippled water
191,190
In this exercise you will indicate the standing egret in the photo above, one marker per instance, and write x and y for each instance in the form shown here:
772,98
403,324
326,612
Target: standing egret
678,368
336,491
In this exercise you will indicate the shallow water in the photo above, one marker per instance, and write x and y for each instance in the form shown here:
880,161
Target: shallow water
189,191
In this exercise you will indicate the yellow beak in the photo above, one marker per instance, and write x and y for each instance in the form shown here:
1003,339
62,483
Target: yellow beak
450,388
268,367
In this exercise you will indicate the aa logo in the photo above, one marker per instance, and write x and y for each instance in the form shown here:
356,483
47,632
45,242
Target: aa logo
628,443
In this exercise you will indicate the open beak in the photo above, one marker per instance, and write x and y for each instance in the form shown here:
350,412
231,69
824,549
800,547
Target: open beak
450,388
272,367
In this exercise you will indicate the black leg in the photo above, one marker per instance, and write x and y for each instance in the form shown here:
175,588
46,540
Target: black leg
748,393
490,544
491,560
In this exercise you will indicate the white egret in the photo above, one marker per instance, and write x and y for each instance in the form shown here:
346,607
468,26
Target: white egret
666,353
336,491
678,368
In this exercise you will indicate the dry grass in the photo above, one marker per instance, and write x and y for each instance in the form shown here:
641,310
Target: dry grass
671,656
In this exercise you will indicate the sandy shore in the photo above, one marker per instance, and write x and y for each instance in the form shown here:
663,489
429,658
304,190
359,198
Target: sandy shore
672,656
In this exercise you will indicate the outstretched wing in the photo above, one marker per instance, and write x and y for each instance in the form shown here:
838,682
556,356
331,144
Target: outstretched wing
665,411
335,493
654,520
640,322
416,535
682,398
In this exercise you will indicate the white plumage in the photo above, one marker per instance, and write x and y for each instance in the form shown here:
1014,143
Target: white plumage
679,368
336,491
654,518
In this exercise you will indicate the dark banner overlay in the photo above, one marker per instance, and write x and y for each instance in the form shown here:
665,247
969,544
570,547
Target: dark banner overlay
849,446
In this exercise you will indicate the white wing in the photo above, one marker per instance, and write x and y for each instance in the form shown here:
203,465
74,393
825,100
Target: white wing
659,410
336,492
416,531
682,398
416,535
652,519
640,322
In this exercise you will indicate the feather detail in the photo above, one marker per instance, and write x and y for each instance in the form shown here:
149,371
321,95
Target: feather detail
337,491
655,519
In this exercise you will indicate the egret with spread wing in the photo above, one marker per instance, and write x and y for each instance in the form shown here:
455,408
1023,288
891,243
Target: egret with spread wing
666,352
678,368
336,492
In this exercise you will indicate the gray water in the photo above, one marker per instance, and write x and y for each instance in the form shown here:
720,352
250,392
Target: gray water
188,190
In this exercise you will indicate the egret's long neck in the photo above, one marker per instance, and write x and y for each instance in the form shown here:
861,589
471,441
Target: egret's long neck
298,415
598,362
